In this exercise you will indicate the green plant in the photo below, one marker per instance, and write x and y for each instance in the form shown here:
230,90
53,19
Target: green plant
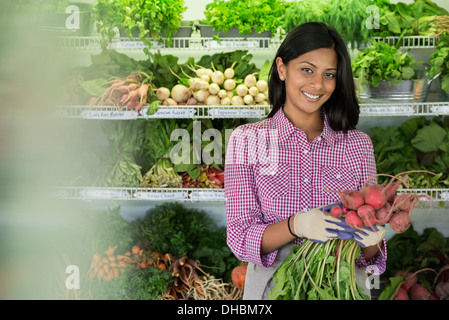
439,62
380,61
263,15
153,19
305,11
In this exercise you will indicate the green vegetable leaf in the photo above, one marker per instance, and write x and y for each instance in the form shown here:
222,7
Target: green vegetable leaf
429,138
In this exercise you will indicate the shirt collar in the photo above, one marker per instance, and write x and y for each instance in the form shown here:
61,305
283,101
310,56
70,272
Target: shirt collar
286,128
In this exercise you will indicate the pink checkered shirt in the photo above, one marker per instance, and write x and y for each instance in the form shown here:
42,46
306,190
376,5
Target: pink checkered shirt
273,172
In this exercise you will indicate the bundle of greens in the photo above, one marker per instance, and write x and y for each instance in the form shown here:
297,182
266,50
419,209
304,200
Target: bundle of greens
349,18
262,15
417,143
305,11
439,62
382,62
420,18
313,271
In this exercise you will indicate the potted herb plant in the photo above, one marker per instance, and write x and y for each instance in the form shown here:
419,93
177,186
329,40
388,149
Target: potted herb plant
238,18
384,74
439,66
148,20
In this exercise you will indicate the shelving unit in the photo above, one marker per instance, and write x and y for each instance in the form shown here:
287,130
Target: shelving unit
368,110
184,194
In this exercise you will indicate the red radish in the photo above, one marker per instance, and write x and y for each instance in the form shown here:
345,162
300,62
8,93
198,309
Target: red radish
410,280
382,213
391,189
401,294
400,222
351,199
336,212
353,220
418,292
375,195
367,214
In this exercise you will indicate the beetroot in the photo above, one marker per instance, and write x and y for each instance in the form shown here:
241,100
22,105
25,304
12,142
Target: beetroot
367,214
351,199
418,292
353,220
401,294
400,222
375,195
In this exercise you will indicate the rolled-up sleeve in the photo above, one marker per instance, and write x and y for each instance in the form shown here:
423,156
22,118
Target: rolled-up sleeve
245,225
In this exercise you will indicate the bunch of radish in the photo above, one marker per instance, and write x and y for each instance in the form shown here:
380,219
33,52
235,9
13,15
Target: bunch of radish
129,93
210,86
377,204
411,288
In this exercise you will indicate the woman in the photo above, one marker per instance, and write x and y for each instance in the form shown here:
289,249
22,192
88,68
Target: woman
279,170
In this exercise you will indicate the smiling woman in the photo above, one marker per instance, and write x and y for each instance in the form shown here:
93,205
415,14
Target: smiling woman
310,142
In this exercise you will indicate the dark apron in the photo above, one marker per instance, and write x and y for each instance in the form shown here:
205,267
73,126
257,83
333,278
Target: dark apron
259,280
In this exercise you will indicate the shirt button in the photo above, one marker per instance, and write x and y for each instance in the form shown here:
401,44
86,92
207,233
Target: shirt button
338,176
306,151
306,180
319,138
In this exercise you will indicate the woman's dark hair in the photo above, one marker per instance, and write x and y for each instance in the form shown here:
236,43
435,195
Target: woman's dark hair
342,108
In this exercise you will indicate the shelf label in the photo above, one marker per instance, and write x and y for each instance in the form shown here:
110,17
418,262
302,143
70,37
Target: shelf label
160,195
213,44
236,112
387,110
104,194
203,195
109,114
170,113
440,109
444,196
133,44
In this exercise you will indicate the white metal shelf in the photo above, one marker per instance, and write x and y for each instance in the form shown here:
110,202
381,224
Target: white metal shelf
410,42
185,194
240,111
191,43
140,194
179,112
208,43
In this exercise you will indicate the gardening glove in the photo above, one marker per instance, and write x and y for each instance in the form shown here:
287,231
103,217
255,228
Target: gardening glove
313,224
367,237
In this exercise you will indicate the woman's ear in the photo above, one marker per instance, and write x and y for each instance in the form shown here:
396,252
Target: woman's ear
281,68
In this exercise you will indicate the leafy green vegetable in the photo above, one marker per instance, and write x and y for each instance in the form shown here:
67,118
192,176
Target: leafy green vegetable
417,143
262,15
417,18
439,62
349,17
313,271
382,62
305,11
134,284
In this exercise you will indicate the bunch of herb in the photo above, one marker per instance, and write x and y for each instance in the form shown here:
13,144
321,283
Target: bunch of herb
349,18
417,143
174,228
123,159
133,284
262,15
149,17
382,62
439,62
305,11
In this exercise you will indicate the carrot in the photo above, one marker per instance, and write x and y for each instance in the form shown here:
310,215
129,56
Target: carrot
135,250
